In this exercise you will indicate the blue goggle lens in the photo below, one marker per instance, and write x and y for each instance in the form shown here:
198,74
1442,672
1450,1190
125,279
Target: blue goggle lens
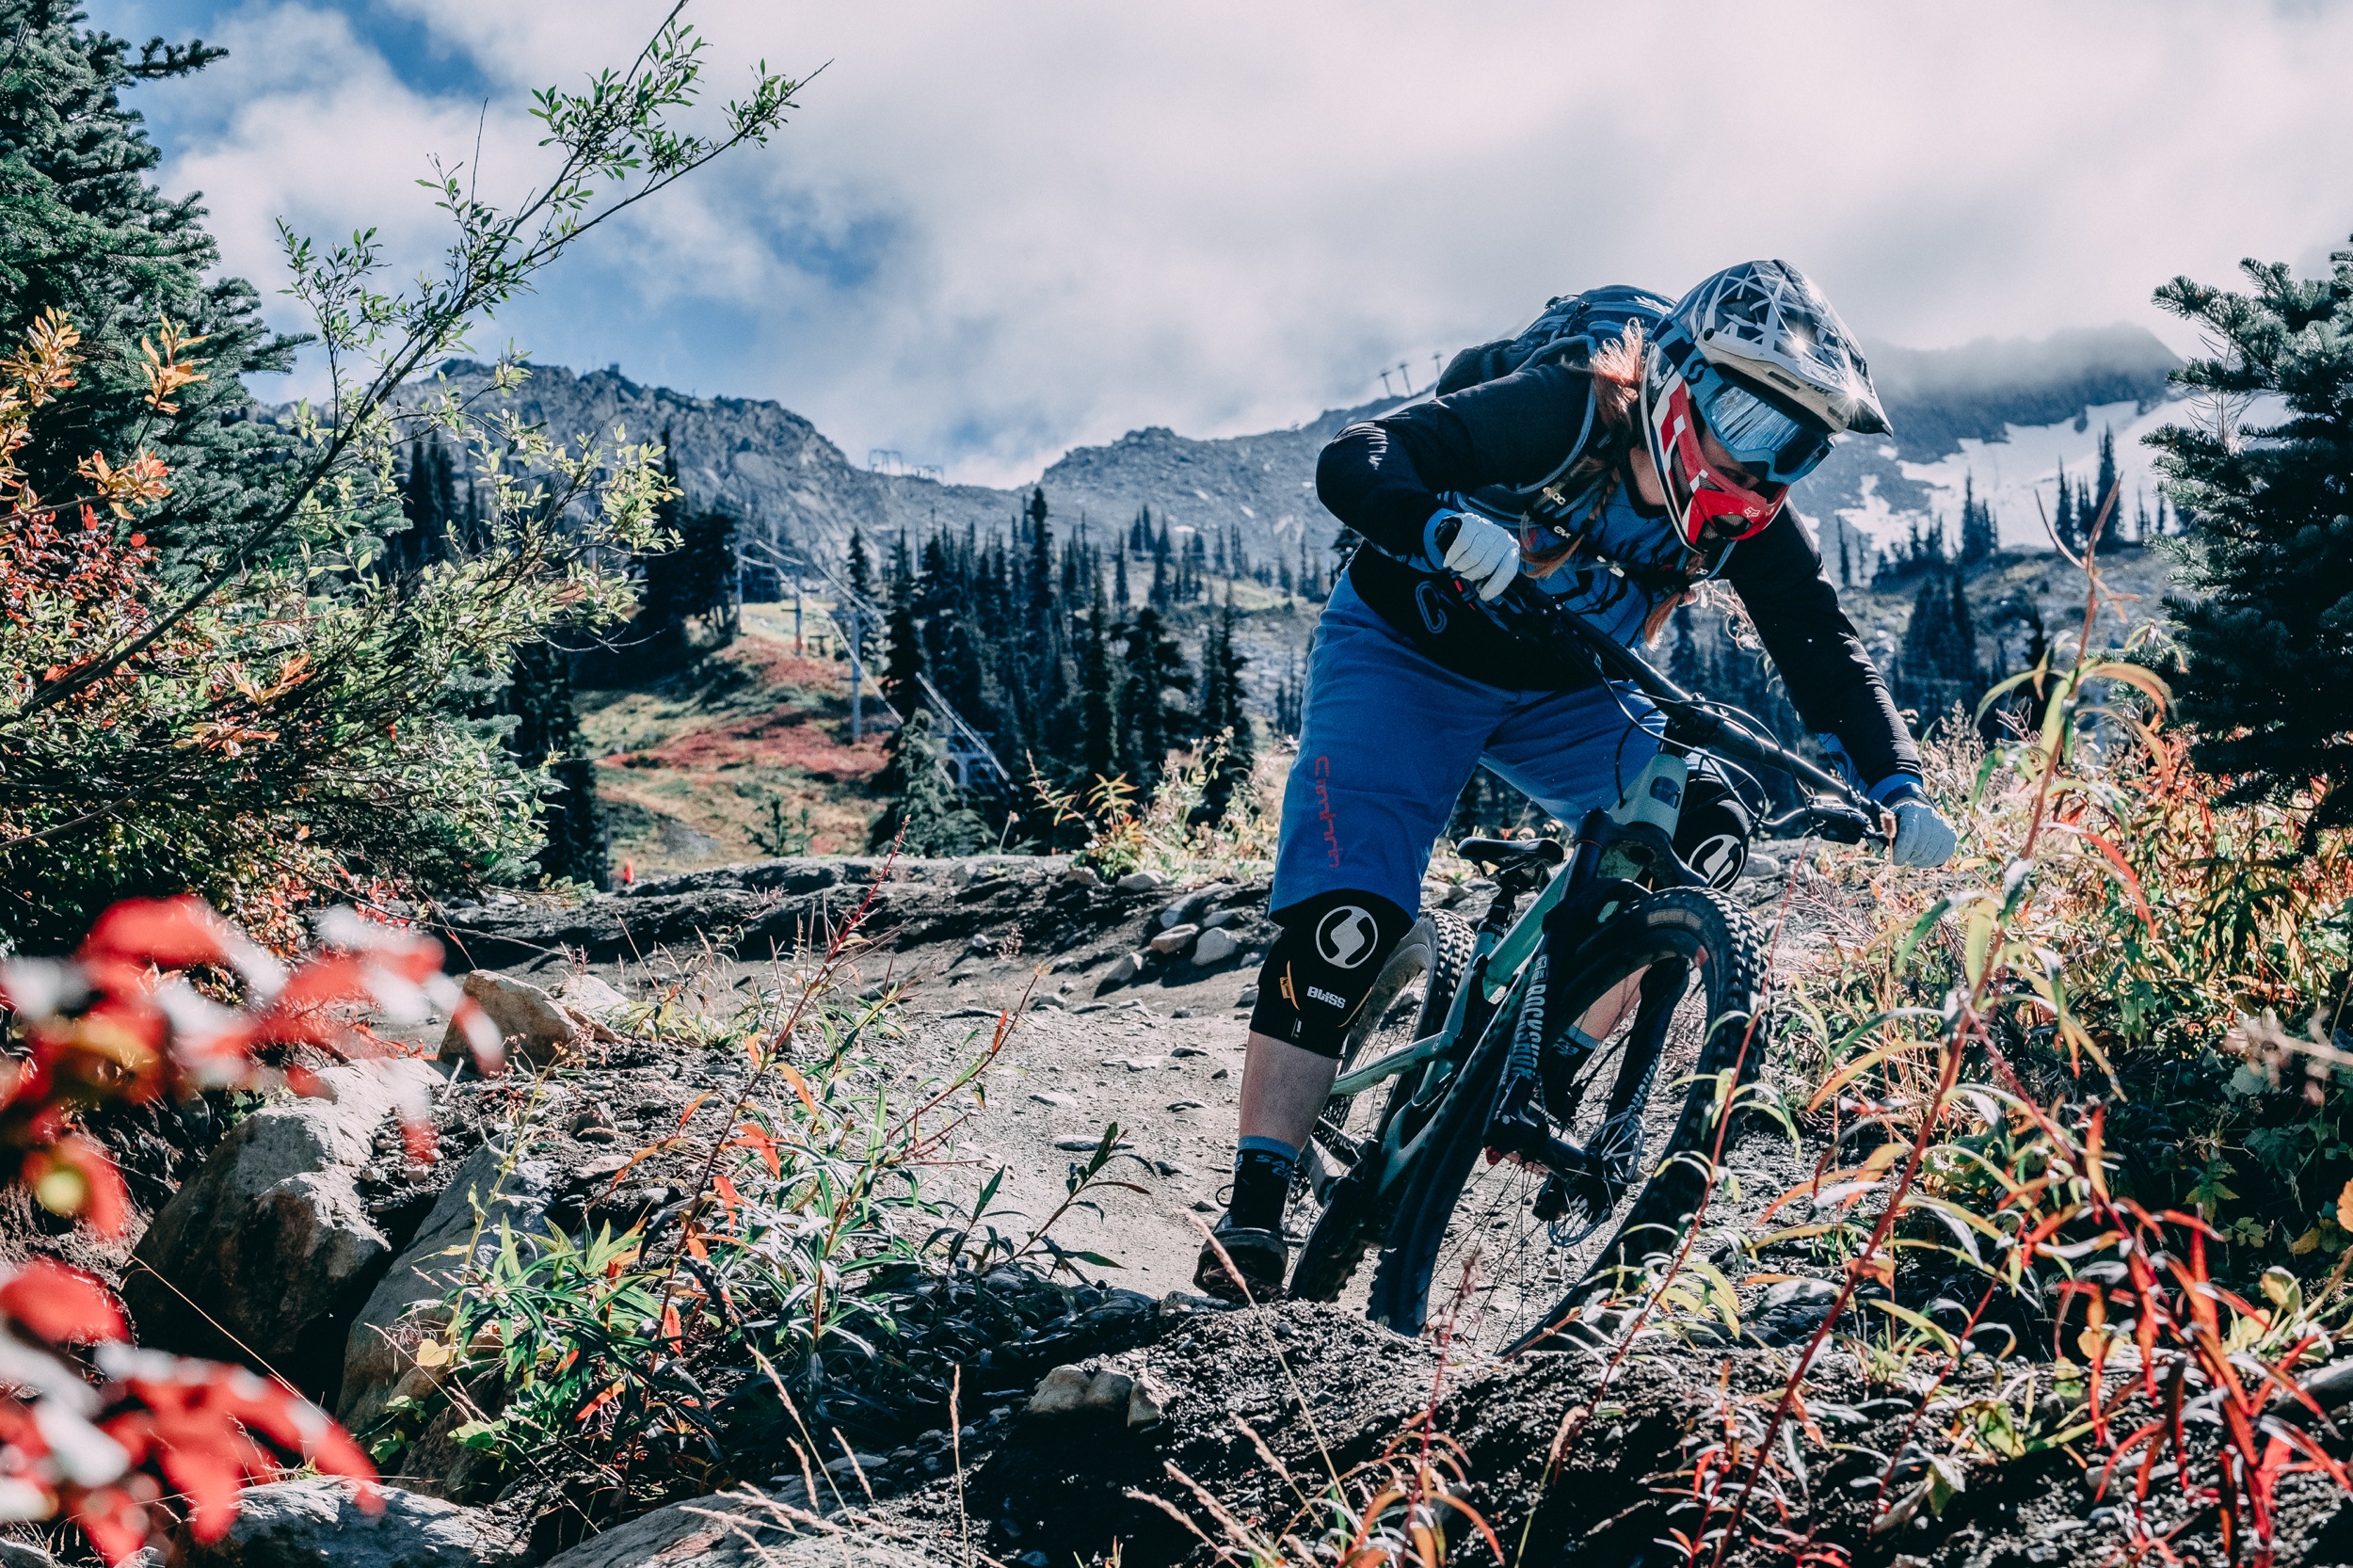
1785,448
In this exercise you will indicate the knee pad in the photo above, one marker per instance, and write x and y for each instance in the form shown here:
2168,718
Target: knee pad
1321,967
1712,835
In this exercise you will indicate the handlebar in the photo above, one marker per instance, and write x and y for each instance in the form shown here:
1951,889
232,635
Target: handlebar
1529,613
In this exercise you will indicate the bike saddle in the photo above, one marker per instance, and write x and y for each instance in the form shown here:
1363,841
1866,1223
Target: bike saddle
1503,852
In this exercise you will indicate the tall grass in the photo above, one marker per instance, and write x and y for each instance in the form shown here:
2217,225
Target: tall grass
667,1358
1176,830
2082,972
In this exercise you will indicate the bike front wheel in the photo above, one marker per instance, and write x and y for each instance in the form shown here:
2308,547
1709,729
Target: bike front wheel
1640,1025
1409,1000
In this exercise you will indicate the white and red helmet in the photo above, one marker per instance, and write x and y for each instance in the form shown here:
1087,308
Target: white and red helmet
1756,357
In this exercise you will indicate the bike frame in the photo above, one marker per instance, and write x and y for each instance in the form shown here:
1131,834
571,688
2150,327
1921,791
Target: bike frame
1632,840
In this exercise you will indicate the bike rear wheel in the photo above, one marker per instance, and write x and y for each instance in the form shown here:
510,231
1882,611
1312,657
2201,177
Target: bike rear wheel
1663,993
1409,1000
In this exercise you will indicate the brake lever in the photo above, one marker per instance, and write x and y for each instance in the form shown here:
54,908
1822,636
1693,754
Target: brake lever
1839,822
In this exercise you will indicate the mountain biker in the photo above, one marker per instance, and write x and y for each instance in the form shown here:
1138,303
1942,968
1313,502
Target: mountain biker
1617,477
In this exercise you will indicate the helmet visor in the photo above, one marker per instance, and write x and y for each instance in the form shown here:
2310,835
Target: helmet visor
1767,439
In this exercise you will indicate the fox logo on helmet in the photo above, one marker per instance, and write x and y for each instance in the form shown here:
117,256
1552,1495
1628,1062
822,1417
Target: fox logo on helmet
1347,937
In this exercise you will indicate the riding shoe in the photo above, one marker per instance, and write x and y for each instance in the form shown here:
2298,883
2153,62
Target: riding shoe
1261,1257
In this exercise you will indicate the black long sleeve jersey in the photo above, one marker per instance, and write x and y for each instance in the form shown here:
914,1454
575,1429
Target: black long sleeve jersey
1386,477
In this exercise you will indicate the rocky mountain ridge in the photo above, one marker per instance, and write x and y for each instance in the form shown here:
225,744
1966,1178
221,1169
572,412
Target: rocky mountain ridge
1956,410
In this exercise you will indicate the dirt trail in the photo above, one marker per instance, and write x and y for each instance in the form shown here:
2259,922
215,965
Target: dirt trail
1319,1385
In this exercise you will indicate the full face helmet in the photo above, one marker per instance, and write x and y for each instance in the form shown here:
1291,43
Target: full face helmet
1756,357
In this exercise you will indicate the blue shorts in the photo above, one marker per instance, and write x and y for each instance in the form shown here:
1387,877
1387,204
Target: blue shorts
1390,737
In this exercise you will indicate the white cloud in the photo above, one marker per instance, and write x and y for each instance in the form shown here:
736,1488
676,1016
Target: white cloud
996,231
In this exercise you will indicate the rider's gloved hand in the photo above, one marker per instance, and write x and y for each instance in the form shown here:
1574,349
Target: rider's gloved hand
1923,837
1481,554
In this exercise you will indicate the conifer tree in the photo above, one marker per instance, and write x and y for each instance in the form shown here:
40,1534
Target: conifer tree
1979,534
1937,665
547,731
88,234
2265,635
927,814
2063,520
1099,691
1153,725
1687,665
860,568
903,661
2102,486
1224,712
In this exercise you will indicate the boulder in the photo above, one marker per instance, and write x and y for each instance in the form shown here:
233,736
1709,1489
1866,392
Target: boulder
537,1023
735,1531
1790,1311
1060,1392
1141,882
1129,966
1214,947
269,1239
381,1348
292,1523
1169,943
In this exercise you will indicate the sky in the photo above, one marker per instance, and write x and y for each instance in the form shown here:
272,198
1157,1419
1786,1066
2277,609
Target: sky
993,232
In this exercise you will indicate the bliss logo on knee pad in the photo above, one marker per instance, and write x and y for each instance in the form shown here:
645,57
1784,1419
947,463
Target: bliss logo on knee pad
1324,966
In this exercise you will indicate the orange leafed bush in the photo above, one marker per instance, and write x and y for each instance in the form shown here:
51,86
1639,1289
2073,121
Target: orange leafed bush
135,1013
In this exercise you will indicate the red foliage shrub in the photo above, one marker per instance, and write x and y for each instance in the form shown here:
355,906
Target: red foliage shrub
132,1016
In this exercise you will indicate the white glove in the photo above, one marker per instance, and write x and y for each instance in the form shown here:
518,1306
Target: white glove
1923,837
1484,554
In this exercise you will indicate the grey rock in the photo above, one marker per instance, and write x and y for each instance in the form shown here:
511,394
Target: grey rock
537,1023
1049,1096
1141,882
315,1521
1225,918
1084,875
732,1531
1129,966
1060,1392
1249,996
270,1237
1086,1145
1146,1404
1048,1003
16,1553
1790,1311
403,1308
1169,943
1108,1394
1215,946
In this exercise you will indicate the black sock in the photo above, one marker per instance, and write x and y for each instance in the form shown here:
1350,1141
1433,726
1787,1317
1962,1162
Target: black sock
1262,1183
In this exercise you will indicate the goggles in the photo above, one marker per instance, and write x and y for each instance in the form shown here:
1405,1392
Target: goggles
1764,438
1715,497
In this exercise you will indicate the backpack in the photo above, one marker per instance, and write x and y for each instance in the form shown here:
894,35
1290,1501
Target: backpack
1571,327
1568,330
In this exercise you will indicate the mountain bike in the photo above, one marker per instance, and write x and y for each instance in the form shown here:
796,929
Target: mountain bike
1568,1062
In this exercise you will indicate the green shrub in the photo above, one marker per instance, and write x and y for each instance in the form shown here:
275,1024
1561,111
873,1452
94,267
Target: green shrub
214,674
